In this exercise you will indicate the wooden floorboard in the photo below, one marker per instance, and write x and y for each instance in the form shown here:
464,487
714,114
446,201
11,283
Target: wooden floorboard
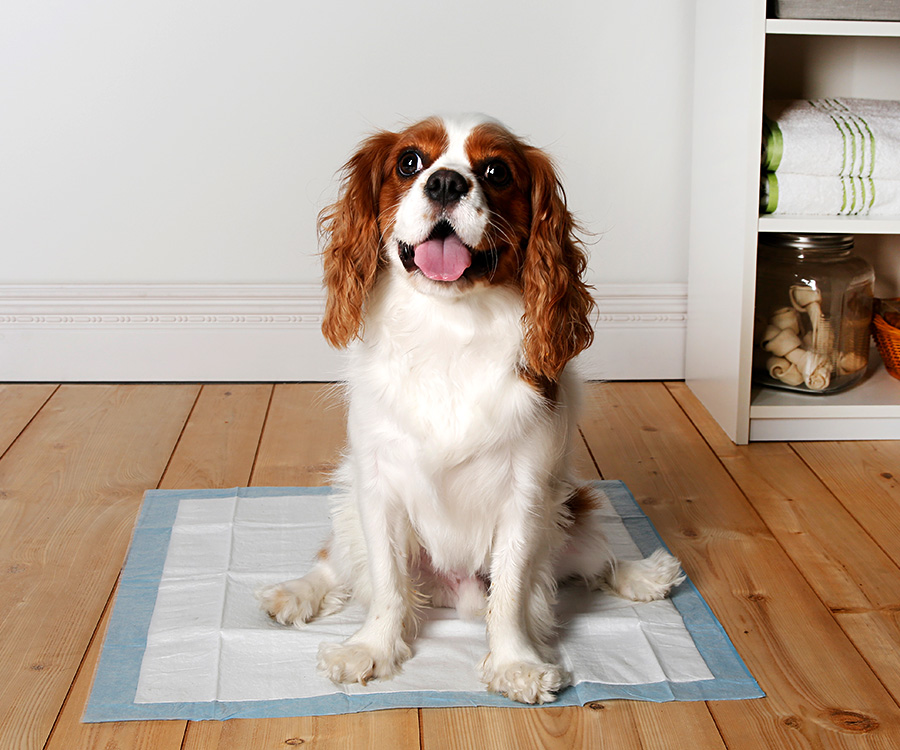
72,485
820,691
865,477
828,504
216,449
796,489
794,546
836,554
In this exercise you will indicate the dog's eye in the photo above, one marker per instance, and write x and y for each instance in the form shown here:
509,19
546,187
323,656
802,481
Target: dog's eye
409,163
497,173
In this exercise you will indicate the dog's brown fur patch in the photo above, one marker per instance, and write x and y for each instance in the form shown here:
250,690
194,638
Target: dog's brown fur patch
582,502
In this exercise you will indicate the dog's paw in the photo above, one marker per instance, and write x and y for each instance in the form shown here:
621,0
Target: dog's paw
645,580
297,602
524,681
359,662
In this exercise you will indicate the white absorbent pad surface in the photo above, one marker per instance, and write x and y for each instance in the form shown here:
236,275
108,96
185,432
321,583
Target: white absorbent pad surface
187,639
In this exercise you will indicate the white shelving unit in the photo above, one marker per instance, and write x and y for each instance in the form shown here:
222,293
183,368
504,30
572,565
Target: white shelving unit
742,57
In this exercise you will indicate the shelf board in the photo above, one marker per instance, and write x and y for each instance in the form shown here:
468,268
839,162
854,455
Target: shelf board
814,27
877,394
830,224
868,410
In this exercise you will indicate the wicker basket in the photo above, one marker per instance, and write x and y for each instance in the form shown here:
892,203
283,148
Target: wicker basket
887,336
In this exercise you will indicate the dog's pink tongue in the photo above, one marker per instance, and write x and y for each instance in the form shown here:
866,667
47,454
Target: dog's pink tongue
443,259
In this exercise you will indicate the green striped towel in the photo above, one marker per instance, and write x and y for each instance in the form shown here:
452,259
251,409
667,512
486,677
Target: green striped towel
817,195
832,137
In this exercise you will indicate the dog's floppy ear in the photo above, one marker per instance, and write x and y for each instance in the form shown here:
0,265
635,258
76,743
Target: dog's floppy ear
352,235
558,303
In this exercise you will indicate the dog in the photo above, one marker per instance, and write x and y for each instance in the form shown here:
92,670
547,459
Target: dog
454,276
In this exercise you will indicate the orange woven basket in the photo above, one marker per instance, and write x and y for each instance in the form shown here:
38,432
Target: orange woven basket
887,336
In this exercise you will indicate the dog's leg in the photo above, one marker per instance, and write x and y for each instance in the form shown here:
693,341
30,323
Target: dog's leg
520,616
644,580
298,601
587,556
377,649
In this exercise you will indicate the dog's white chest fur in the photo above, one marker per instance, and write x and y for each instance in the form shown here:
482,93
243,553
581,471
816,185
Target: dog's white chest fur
437,404
443,372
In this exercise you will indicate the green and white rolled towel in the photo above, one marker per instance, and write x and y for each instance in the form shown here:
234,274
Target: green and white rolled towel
835,157
833,137
816,195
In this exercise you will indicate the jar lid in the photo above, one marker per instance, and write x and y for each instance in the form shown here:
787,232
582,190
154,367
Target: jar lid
807,241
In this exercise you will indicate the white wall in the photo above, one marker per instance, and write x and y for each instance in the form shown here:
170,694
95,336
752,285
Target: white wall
163,143
172,141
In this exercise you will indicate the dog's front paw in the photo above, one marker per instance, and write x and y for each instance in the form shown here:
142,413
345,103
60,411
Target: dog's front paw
524,681
359,662
299,601
286,605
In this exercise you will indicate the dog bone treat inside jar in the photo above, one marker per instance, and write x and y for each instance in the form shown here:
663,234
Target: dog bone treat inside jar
813,310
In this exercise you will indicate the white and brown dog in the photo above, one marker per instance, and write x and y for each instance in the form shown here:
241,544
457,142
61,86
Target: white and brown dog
455,278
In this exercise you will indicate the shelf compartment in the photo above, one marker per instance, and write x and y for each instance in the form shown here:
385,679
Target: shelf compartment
735,44
868,411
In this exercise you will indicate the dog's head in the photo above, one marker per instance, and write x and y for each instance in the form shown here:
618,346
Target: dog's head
454,207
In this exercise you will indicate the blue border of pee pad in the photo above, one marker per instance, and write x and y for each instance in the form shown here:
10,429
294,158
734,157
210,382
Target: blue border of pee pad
116,677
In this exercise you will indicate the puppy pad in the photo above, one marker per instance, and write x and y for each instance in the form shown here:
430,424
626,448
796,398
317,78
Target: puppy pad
187,639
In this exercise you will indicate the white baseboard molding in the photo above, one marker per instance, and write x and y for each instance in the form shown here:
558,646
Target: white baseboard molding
267,332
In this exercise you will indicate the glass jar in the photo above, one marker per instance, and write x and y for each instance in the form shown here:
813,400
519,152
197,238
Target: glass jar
813,310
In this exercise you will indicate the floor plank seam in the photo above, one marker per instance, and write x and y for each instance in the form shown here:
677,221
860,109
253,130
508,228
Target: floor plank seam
187,419
587,447
262,431
872,667
715,721
822,480
28,424
94,635
877,544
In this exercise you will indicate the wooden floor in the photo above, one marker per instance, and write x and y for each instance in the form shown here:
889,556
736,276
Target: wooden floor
796,548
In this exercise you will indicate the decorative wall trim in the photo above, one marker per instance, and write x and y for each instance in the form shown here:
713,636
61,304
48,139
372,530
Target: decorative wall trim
162,305
266,332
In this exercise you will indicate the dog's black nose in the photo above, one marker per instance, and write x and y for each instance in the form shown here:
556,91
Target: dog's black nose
446,186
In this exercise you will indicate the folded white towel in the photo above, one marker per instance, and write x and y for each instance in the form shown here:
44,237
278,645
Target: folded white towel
787,193
836,137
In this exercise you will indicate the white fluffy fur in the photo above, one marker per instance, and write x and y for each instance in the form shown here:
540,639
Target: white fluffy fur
457,473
